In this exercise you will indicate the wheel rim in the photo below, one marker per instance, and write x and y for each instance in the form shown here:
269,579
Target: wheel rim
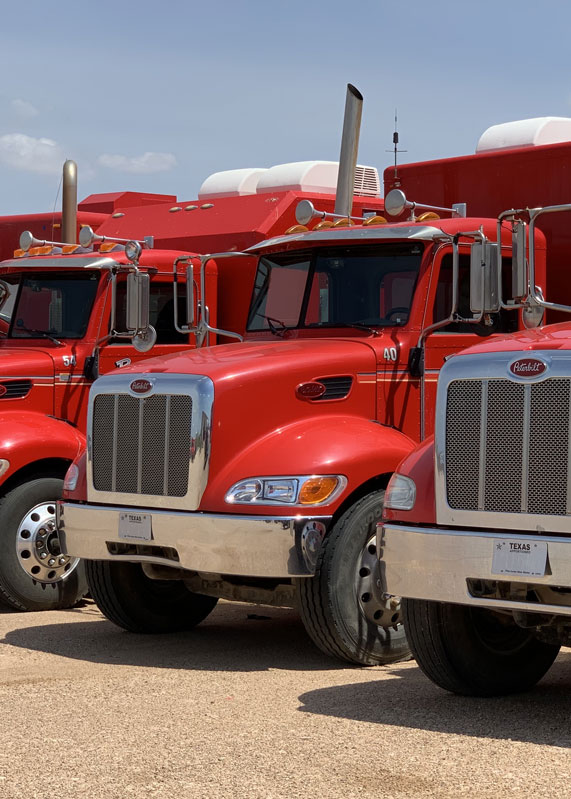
38,547
498,633
378,608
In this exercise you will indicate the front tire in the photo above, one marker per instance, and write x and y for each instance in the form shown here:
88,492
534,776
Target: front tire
34,573
131,600
474,651
342,606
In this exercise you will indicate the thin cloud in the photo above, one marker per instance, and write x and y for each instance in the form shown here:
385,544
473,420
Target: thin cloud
24,109
22,152
146,164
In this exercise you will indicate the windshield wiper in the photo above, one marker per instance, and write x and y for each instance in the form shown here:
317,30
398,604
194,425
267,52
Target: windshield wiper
272,321
42,333
356,325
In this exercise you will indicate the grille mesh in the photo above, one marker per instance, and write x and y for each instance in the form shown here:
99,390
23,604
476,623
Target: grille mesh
15,389
142,445
335,387
507,446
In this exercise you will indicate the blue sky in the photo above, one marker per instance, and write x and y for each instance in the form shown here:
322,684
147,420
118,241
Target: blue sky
156,96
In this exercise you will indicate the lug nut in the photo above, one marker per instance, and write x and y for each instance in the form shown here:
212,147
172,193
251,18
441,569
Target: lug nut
62,560
51,561
43,555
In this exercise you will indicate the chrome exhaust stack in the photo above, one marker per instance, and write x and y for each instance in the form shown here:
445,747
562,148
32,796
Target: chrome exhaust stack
349,150
69,203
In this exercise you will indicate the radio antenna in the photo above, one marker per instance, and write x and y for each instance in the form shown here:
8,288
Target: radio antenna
396,145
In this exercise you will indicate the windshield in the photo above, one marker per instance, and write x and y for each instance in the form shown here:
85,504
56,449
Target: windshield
56,305
341,287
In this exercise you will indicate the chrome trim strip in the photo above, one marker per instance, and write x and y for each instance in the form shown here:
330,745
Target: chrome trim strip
251,546
490,367
482,456
434,564
64,262
525,447
201,391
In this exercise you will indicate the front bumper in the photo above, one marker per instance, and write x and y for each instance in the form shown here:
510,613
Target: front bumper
439,565
248,546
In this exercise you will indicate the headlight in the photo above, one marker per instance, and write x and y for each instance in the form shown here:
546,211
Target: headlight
71,478
400,493
301,490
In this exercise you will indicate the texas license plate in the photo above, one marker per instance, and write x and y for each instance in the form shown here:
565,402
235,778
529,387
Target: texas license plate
135,526
522,558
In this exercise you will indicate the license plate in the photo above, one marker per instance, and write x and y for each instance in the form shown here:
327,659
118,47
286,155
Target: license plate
136,526
523,558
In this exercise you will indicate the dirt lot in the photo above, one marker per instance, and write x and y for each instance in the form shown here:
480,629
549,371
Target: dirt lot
244,706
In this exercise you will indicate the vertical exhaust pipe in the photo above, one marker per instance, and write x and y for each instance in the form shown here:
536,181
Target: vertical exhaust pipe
69,203
349,150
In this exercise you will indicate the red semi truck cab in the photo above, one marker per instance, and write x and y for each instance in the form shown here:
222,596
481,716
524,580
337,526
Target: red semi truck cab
56,320
476,536
256,470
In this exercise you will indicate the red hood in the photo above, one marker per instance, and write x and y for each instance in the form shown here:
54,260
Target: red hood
304,357
551,337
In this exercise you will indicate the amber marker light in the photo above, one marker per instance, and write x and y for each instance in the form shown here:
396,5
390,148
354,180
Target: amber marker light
317,490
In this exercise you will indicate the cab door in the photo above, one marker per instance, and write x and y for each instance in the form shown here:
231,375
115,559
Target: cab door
119,352
456,336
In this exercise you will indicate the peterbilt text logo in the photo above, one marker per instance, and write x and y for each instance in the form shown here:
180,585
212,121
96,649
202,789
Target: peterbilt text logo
3,390
140,386
527,367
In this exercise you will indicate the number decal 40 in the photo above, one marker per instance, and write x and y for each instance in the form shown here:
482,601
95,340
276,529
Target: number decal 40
390,354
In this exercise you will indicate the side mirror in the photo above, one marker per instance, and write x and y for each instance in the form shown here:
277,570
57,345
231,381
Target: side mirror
519,267
190,296
484,297
138,301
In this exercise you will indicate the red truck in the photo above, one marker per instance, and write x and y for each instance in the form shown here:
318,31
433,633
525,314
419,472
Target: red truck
476,536
66,322
288,439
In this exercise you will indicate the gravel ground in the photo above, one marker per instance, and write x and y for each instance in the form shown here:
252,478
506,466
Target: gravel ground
244,706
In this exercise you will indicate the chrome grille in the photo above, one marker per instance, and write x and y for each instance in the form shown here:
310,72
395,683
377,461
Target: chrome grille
507,446
141,445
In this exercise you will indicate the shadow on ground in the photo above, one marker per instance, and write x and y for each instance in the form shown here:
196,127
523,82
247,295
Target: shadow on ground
234,637
540,716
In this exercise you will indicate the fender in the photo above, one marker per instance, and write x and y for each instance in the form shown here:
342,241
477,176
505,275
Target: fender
28,436
419,466
358,448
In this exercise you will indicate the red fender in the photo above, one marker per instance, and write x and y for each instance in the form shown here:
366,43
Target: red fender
349,445
419,466
27,437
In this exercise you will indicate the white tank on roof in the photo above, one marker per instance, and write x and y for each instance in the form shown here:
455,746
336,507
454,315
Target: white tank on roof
317,177
231,183
525,133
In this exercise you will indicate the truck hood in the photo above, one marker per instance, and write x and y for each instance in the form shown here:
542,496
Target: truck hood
294,361
550,337
25,363
255,386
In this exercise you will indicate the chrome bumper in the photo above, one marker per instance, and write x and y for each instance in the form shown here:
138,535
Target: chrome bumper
249,546
435,564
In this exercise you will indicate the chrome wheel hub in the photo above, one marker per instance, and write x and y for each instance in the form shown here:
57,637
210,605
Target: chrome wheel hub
377,607
38,548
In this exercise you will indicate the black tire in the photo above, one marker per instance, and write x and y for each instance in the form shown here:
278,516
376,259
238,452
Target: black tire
18,589
368,633
474,651
128,598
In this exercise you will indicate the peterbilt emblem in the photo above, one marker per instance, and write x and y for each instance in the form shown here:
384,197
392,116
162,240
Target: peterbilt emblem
311,390
3,390
527,367
140,386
